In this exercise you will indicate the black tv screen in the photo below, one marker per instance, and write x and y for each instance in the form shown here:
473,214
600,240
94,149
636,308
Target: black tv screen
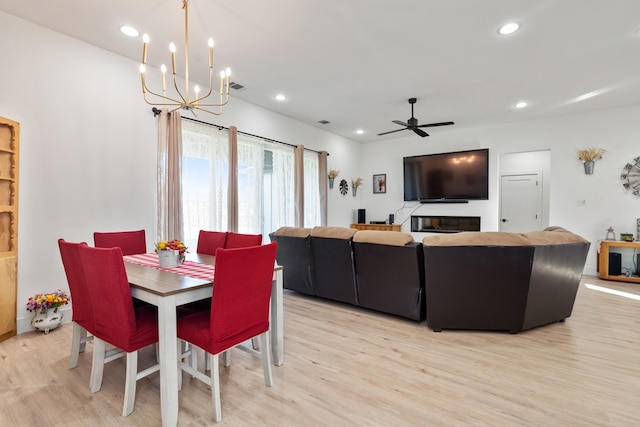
461,175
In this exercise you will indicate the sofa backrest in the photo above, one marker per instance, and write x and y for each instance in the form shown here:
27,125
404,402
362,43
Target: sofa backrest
393,238
332,254
389,269
294,254
549,236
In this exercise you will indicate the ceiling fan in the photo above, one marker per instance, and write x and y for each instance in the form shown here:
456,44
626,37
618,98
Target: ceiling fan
412,123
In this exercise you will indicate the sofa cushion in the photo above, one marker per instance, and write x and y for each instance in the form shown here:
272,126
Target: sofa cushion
555,236
293,231
333,232
392,238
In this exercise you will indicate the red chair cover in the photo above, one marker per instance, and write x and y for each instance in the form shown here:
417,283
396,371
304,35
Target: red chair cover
238,240
116,321
82,308
240,304
131,242
209,241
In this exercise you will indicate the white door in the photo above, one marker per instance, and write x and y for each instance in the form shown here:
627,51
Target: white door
521,202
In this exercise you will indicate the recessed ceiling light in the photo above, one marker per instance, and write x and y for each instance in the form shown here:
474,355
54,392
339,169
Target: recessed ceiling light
129,31
281,97
359,131
509,28
521,104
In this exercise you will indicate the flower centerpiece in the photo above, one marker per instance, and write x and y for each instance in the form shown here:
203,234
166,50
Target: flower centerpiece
45,306
171,253
333,174
589,156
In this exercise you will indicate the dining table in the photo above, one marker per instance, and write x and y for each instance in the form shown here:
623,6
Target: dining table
169,288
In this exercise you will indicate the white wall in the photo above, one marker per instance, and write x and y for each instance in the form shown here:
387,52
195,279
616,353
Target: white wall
607,202
88,147
88,155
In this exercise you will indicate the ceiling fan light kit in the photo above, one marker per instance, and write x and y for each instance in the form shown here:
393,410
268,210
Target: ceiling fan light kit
412,124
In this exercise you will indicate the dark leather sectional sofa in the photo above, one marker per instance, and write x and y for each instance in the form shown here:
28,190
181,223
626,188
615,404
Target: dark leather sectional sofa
502,281
469,280
380,270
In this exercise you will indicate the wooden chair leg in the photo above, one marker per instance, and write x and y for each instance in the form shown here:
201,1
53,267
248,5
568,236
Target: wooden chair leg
97,365
215,387
130,383
255,343
265,356
77,344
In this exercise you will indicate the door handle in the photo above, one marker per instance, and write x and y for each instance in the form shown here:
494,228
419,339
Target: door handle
504,220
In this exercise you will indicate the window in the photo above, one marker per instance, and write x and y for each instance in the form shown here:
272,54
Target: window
265,175
205,179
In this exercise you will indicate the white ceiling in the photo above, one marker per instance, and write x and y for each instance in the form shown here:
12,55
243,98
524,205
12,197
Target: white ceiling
356,62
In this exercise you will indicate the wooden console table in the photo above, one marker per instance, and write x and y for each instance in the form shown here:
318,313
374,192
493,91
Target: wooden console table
603,260
379,227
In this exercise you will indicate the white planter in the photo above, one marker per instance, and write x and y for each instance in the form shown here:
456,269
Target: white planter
169,259
48,320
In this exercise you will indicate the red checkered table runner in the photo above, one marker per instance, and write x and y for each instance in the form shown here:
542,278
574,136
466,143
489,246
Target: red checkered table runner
188,268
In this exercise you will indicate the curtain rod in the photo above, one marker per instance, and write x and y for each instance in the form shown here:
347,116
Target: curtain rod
157,111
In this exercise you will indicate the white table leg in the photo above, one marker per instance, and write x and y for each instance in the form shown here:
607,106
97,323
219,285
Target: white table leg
168,349
277,307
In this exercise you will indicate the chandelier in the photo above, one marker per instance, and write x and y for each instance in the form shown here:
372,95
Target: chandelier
183,99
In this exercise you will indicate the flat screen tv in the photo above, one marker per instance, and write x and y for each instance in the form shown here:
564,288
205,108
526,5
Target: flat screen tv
456,176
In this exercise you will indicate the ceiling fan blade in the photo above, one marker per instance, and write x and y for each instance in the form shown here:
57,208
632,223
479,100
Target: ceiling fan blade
398,122
431,125
391,131
420,132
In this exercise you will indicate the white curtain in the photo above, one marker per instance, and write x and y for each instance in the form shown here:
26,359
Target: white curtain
312,207
205,179
250,183
280,203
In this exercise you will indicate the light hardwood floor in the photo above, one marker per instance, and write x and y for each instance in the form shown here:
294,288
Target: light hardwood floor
350,367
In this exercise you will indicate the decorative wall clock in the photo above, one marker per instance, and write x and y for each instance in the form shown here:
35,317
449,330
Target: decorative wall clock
630,176
344,187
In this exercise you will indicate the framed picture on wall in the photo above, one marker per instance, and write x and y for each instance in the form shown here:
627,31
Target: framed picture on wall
380,183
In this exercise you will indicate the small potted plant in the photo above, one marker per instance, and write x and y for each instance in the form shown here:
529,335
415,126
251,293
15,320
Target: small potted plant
589,157
46,306
171,253
333,174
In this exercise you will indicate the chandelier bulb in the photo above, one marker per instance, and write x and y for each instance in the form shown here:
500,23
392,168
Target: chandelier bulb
145,38
210,42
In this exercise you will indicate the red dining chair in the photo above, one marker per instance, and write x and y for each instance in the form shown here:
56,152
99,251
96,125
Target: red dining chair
238,240
209,241
239,312
116,320
131,242
82,311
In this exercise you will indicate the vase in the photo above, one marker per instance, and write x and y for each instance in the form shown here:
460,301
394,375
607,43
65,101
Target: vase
588,167
47,320
355,191
169,259
331,183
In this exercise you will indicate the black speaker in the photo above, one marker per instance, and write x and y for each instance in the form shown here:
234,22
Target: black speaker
615,264
391,218
362,216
